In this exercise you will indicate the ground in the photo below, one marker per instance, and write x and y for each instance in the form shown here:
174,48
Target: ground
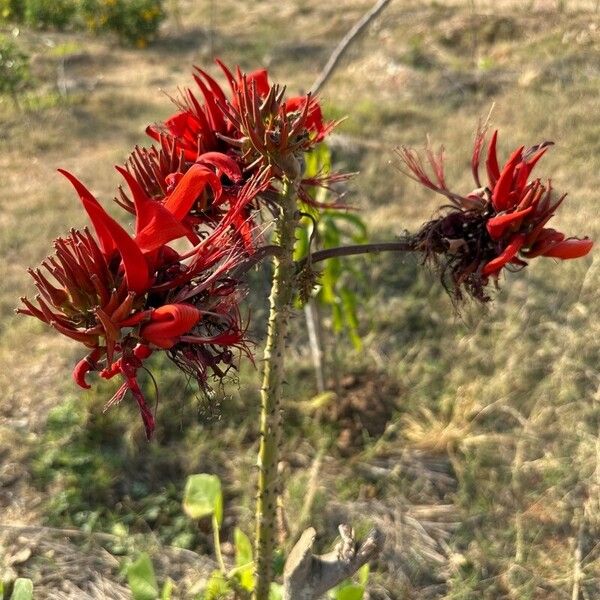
472,439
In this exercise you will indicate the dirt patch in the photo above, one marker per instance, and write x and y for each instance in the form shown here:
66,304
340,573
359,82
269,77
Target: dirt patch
364,405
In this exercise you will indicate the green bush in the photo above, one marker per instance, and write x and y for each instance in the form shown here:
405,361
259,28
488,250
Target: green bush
12,10
55,14
14,67
134,21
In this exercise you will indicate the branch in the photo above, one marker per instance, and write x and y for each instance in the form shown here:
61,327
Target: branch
307,576
341,48
340,251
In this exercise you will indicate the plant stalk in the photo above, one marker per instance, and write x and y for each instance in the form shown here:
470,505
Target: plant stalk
282,294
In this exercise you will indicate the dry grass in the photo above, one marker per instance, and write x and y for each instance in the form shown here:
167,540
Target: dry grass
496,429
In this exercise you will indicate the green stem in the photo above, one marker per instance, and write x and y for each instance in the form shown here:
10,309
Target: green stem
282,294
217,545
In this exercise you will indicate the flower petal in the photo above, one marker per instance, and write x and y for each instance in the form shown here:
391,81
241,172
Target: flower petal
155,226
504,185
570,248
494,266
182,198
498,225
112,235
168,322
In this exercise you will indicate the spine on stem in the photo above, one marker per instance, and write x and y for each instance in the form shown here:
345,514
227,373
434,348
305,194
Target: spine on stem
282,294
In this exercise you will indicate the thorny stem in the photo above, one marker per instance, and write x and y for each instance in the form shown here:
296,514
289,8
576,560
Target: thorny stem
282,294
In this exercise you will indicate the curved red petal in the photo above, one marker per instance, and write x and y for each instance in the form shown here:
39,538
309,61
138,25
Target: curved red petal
168,322
501,194
570,248
498,225
494,266
182,198
223,163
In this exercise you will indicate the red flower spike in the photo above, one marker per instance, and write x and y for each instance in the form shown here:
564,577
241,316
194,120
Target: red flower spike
492,227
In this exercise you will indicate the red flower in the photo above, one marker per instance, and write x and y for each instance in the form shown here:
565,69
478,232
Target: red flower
124,296
495,226
254,124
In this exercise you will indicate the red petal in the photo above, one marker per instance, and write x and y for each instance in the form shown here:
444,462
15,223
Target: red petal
497,226
570,248
155,226
112,235
181,200
93,208
168,322
494,266
260,78
503,187
223,163
491,162
84,366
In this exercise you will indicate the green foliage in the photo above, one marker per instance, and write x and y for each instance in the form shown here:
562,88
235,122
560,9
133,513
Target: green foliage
134,21
14,67
352,591
12,10
203,498
53,14
22,589
141,579
339,277
244,566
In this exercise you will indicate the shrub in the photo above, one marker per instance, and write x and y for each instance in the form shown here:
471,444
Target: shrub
134,21
44,14
12,10
14,67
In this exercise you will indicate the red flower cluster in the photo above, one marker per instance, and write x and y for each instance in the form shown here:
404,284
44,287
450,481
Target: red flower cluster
125,296
499,224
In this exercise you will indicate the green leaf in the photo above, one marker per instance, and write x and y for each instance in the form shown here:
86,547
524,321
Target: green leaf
363,574
202,497
243,548
141,579
350,592
22,590
244,570
302,239
276,592
167,590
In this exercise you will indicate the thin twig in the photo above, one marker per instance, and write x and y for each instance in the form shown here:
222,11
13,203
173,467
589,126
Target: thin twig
341,48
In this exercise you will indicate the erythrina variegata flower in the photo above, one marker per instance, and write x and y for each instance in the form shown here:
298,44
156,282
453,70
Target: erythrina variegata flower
124,296
498,225
256,125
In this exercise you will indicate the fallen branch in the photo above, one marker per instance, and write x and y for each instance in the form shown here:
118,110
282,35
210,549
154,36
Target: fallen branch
307,576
